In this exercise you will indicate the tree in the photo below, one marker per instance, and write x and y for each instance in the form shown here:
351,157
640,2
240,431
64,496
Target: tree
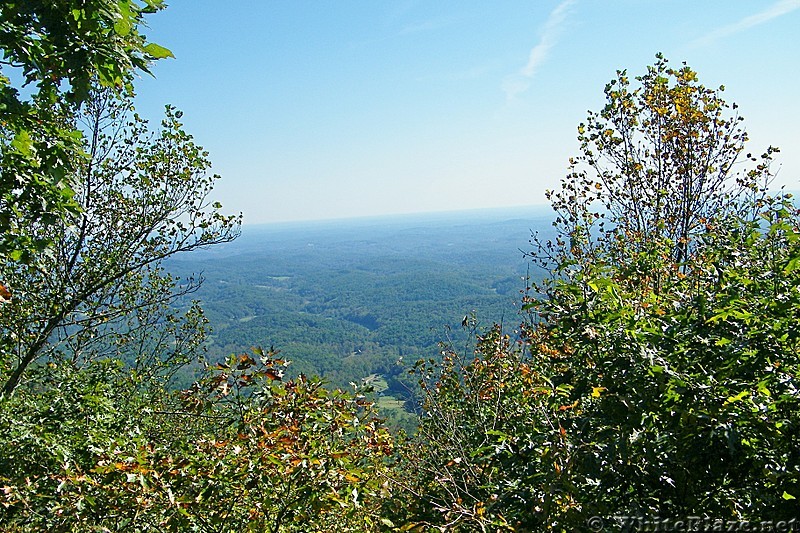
660,162
669,309
684,393
662,343
488,453
102,290
58,51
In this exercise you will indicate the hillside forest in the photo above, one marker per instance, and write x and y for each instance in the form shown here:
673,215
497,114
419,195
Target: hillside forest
631,363
363,299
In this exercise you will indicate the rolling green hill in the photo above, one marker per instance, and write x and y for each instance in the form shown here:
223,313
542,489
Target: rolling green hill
349,299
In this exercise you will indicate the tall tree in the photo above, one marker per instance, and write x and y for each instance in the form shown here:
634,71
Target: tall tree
658,162
657,372
668,309
53,52
101,289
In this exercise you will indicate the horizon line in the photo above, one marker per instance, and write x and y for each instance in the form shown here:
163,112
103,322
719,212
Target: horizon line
399,215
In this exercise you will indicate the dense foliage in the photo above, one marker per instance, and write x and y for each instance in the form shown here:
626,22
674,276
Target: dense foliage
241,450
53,54
655,372
657,375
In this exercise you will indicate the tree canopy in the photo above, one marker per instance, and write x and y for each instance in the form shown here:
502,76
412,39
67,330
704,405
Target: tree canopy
657,372
142,197
53,53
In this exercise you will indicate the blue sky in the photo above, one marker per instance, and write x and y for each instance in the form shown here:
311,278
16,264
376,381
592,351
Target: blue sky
335,109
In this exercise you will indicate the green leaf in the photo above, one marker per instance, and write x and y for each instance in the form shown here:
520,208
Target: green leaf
157,51
738,397
787,496
123,27
792,265
23,143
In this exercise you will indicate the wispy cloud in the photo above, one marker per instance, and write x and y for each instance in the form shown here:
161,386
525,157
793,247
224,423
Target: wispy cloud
520,82
778,9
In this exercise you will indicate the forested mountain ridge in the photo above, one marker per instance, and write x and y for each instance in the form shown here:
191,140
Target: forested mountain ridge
346,299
